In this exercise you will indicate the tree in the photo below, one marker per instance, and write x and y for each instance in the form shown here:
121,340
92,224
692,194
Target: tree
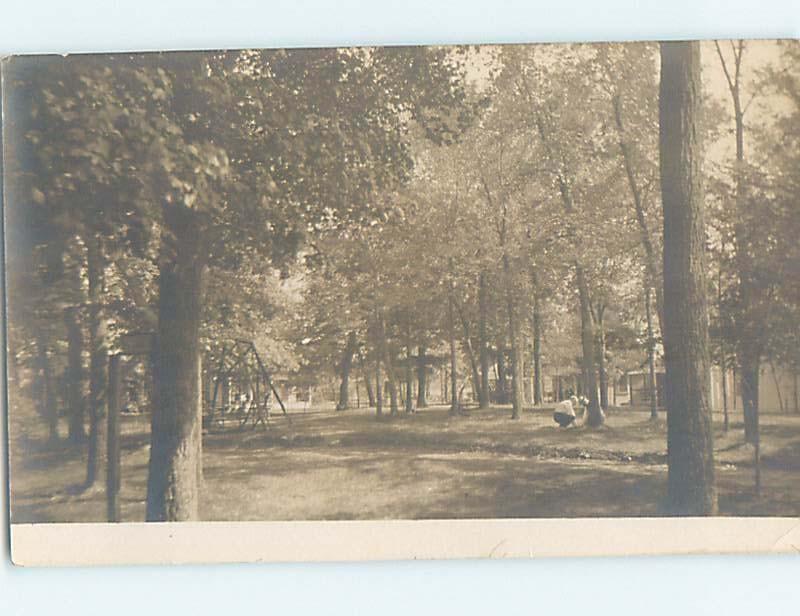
691,489
310,138
749,334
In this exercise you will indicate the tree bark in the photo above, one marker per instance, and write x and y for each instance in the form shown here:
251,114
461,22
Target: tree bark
172,483
690,454
75,375
538,385
98,359
344,372
483,398
595,415
422,374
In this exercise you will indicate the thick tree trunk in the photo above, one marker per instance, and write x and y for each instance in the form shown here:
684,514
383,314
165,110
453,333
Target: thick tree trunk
98,361
74,375
651,354
422,378
172,483
595,415
483,300
344,372
690,452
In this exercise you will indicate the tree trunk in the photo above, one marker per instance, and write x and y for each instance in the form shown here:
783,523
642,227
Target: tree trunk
172,483
748,332
367,381
98,361
724,370
502,383
391,383
748,371
391,379
595,416
690,453
409,378
483,399
723,355
749,347
517,370
453,358
601,359
378,384
344,371
651,354
422,374
538,385
74,375
473,363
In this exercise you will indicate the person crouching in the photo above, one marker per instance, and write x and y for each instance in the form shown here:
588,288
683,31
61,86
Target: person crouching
564,412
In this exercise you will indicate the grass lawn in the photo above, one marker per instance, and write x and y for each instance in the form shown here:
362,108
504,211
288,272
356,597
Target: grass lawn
325,465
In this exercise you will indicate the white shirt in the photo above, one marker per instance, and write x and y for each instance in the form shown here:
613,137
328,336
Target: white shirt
565,406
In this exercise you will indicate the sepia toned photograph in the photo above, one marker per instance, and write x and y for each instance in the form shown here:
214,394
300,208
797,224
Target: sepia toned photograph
545,281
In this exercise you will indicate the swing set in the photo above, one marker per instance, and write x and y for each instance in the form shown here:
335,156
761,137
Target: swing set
243,390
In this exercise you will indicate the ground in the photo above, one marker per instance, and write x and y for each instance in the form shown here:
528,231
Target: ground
326,465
